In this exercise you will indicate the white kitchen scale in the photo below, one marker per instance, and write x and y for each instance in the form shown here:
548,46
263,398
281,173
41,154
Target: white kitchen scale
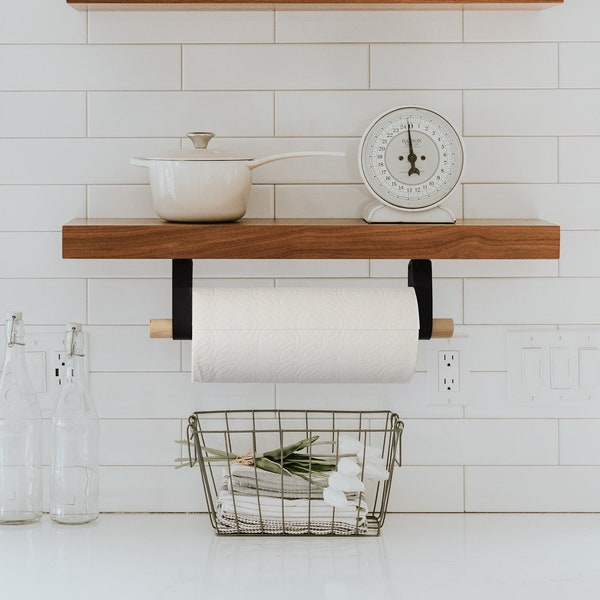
410,158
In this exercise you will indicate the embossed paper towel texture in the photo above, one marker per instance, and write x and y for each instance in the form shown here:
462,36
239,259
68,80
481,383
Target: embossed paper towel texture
310,335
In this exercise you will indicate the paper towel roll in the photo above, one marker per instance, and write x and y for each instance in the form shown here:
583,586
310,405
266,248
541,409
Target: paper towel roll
304,335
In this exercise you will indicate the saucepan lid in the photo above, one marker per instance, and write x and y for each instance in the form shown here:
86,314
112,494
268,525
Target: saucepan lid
200,151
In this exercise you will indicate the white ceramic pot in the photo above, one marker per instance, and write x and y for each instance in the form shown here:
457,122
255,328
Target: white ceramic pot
204,185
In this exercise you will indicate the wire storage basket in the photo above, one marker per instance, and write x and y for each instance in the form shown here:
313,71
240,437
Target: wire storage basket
296,472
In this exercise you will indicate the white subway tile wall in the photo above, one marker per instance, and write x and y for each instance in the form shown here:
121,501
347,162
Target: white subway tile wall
181,27
578,159
459,66
167,114
272,66
89,67
368,26
82,92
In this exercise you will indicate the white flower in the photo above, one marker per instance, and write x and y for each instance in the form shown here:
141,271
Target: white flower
369,458
348,445
348,466
335,498
350,474
369,453
376,471
345,483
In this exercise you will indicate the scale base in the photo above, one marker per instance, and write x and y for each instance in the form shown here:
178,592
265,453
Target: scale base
375,212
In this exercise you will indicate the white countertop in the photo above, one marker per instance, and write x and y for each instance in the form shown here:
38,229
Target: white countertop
417,557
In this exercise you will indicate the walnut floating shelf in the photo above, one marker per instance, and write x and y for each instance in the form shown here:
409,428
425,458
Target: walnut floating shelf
270,4
310,239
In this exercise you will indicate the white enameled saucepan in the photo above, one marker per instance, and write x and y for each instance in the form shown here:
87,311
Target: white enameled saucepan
202,185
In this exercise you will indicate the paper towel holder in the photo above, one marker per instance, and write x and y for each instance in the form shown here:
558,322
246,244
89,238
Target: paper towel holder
180,326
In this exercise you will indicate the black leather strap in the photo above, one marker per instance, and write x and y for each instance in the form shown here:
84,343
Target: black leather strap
183,269
420,278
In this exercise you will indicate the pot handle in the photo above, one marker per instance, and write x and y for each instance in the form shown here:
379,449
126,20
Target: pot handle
139,162
267,159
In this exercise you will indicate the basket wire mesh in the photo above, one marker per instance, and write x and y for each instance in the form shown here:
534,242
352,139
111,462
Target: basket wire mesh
245,499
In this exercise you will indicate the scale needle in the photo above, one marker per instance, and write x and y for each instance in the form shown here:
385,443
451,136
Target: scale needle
412,157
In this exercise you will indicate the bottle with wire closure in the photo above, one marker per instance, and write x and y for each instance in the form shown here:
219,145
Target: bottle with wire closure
20,433
74,441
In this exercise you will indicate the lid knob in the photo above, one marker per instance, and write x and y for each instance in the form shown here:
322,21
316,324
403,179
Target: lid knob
200,139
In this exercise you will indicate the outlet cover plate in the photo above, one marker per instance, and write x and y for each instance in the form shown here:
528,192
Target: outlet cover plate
41,347
461,346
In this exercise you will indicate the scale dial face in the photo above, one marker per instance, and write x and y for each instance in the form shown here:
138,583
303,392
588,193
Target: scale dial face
410,158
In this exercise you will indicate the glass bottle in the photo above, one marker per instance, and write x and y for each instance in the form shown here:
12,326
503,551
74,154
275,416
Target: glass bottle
74,441
20,433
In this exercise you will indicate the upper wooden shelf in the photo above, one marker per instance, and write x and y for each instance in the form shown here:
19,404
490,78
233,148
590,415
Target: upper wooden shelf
408,4
310,239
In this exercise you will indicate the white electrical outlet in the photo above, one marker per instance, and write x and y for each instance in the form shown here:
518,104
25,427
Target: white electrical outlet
40,349
449,371
44,357
58,367
449,379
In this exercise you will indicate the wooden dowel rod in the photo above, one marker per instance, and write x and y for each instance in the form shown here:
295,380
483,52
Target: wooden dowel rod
163,328
442,328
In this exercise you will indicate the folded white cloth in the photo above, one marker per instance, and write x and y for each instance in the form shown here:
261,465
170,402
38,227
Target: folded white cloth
243,513
247,480
253,525
278,508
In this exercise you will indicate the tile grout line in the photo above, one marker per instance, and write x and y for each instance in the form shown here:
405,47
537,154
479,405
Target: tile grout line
464,482
181,59
558,428
558,81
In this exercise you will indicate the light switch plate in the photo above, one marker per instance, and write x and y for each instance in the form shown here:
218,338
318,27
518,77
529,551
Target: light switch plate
588,371
554,366
532,368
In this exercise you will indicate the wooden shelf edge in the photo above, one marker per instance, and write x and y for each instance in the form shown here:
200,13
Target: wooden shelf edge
310,239
314,5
